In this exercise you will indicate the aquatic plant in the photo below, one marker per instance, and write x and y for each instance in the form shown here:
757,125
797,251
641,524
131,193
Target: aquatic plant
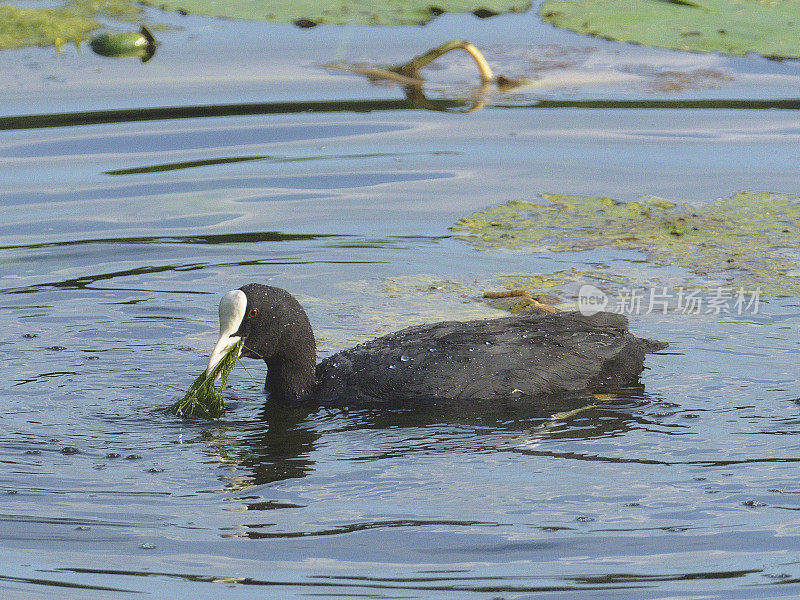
203,399
74,20
21,27
307,13
139,44
746,240
729,26
70,22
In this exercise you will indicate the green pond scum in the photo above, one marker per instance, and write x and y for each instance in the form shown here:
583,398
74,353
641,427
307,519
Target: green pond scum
20,27
70,22
767,27
203,399
746,240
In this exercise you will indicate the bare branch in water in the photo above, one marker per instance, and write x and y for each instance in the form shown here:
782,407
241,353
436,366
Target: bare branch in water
408,74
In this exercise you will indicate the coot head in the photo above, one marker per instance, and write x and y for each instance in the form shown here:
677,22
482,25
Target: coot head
273,327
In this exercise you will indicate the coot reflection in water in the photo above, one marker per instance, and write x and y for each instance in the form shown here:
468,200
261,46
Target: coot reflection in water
534,359
281,443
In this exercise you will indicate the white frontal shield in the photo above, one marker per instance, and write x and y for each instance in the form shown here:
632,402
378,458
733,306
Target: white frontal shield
232,308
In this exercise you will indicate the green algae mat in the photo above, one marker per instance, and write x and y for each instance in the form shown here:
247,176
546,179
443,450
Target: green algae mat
767,27
72,21
55,26
750,239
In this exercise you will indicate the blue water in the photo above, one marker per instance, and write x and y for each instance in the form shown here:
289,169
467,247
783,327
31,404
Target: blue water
119,237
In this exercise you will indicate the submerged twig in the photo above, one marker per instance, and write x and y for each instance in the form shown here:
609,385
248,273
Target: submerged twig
408,74
378,74
412,67
531,303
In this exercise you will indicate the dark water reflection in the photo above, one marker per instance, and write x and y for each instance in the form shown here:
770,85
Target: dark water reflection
280,445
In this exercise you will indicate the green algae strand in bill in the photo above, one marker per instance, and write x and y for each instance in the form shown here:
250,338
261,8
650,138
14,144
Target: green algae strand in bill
203,399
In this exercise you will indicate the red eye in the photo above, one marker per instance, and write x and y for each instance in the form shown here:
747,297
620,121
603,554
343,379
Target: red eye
253,313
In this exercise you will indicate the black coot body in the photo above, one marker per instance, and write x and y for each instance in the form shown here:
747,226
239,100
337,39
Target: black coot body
533,358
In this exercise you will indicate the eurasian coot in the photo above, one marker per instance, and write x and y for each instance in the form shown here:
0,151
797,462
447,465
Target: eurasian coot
533,358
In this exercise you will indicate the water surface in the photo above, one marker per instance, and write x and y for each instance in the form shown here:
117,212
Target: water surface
120,235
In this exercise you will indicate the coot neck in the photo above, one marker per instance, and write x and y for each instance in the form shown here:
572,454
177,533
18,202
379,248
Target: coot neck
290,380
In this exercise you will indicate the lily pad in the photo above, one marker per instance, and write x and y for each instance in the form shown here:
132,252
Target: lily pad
749,239
731,26
308,13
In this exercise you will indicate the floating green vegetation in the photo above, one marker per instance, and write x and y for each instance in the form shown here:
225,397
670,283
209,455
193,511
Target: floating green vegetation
73,20
21,27
770,28
405,286
542,281
558,286
307,13
746,240
121,10
203,399
139,44
69,23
